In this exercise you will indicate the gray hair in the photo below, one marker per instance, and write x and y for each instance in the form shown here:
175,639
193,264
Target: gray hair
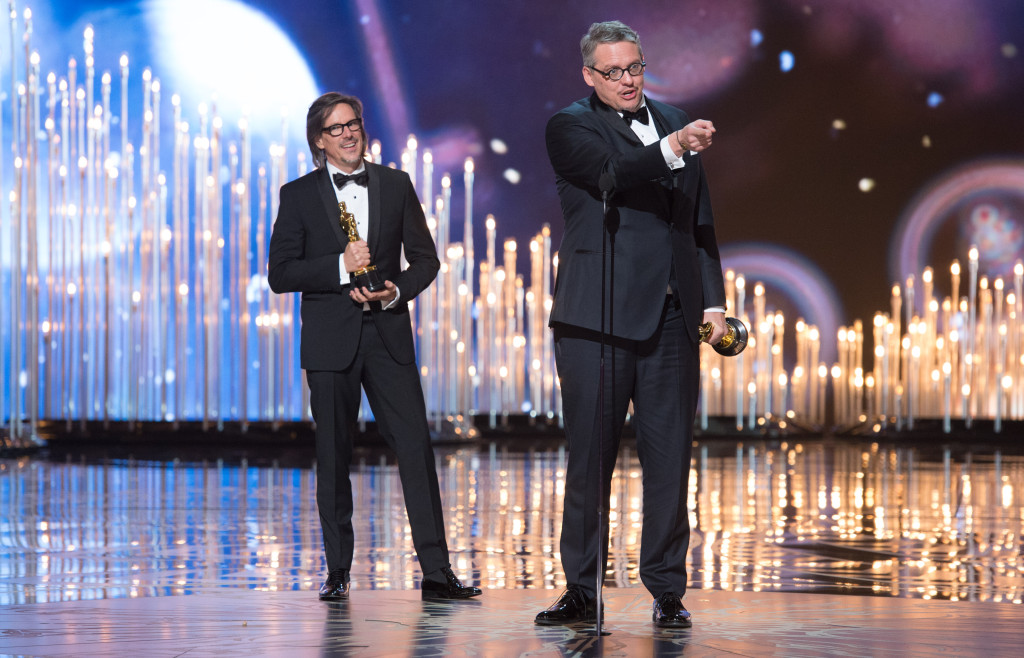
607,32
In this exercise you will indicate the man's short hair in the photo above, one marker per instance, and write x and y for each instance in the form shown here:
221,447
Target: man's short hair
317,115
607,32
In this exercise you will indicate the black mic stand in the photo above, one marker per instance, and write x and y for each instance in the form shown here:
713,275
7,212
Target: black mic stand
606,183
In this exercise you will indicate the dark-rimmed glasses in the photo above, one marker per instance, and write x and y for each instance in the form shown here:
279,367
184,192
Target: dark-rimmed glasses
338,129
615,73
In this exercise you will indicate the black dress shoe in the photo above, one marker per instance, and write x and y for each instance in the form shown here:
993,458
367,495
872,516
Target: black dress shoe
572,608
670,613
335,588
451,589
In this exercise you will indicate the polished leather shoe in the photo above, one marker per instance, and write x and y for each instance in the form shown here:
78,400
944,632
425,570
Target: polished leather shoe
572,607
670,613
335,588
451,589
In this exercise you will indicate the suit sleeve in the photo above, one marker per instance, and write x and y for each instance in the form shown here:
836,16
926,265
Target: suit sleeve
707,246
419,248
289,268
581,155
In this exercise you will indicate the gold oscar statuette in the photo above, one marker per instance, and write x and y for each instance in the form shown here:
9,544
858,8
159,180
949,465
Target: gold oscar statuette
733,342
367,277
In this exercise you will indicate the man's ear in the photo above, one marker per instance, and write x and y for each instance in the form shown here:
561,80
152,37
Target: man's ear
587,76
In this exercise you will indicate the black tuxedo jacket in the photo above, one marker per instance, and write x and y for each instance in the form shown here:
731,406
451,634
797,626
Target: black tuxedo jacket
305,246
659,218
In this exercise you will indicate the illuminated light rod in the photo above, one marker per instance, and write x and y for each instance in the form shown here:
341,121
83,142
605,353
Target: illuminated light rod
961,360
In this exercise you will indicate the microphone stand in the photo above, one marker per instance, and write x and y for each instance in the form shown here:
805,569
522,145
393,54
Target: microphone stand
606,183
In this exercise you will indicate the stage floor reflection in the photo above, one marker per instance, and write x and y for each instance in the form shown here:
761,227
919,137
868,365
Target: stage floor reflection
917,520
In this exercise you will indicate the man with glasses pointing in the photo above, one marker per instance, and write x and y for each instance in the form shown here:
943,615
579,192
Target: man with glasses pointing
354,337
638,272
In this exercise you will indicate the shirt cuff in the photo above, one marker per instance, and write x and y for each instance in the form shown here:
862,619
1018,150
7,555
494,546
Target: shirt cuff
398,295
671,159
715,309
343,277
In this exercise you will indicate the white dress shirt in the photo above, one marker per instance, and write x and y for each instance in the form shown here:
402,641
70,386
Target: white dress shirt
357,202
648,134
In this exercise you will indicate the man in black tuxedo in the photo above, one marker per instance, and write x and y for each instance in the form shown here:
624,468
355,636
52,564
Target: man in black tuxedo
353,337
655,262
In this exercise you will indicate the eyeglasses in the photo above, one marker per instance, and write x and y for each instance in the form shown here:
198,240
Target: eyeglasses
615,73
338,129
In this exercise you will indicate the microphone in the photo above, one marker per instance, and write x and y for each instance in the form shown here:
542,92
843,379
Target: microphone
606,183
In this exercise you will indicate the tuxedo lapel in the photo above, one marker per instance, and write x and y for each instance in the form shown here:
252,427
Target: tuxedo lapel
373,198
329,199
612,118
660,122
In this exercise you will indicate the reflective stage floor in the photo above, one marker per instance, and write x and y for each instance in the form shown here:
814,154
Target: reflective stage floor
239,622
111,556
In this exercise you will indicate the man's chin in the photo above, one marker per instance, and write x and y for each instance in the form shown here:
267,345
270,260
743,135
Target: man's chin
632,104
353,160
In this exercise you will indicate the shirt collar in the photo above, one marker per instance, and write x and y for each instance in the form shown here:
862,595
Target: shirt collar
331,169
643,103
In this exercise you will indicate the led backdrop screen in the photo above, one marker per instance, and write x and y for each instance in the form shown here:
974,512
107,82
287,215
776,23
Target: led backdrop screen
858,140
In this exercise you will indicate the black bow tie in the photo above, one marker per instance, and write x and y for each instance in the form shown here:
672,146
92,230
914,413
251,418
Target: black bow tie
359,179
640,115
